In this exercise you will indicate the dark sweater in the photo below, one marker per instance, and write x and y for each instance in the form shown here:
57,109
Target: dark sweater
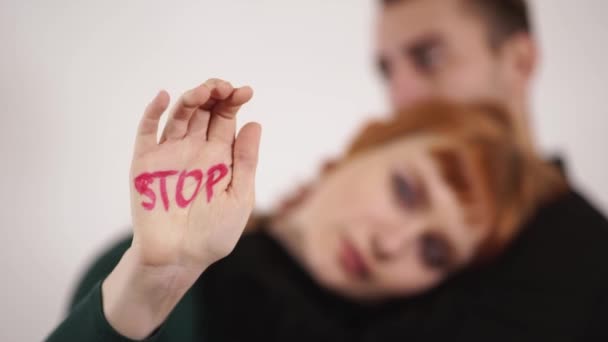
550,285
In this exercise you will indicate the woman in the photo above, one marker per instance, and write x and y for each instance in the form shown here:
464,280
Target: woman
426,196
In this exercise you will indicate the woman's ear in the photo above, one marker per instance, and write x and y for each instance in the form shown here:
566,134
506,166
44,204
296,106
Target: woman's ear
293,199
285,205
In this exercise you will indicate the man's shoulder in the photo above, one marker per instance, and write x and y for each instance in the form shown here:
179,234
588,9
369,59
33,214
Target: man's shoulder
575,205
563,246
570,220
549,282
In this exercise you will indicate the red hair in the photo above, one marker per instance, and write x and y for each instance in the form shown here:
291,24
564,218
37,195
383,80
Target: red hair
511,179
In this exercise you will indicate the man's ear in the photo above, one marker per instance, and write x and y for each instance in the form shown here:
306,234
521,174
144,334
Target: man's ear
519,55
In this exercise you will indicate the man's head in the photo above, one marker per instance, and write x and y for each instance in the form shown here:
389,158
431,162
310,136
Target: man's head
459,49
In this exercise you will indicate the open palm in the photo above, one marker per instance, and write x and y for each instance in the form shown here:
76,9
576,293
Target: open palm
192,191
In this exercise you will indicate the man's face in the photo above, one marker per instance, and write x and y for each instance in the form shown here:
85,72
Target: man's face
440,48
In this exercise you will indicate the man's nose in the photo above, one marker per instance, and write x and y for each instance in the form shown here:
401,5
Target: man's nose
407,87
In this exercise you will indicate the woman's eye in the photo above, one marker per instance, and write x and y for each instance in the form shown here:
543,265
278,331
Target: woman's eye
405,191
435,251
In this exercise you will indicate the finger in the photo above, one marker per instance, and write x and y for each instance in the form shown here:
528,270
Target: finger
230,106
188,109
199,123
245,160
222,125
148,126
177,125
220,90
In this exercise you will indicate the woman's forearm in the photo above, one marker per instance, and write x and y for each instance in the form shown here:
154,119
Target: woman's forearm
136,301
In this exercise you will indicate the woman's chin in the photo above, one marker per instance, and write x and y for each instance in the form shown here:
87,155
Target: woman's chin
334,277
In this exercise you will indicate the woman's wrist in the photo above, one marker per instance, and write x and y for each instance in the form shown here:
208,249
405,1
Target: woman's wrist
138,299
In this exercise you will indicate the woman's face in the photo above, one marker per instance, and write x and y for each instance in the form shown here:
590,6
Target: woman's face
390,221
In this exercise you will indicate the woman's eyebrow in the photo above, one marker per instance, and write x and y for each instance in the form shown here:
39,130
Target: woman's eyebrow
453,171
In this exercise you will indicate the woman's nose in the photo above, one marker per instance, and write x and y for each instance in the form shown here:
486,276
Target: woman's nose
390,242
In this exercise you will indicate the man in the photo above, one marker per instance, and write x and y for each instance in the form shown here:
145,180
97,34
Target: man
485,49
460,49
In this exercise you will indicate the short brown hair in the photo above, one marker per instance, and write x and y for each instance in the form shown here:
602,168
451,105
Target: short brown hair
504,18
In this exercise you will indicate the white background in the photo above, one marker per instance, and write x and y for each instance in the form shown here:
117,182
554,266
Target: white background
75,76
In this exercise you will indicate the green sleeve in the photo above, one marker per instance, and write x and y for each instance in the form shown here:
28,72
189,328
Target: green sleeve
85,320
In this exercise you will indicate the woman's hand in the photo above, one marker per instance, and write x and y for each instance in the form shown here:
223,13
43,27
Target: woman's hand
191,195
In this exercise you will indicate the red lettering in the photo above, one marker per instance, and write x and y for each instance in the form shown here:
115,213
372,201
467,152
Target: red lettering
144,180
142,183
212,179
179,196
163,185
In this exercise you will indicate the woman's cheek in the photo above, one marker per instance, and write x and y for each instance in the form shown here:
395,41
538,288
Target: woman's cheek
405,278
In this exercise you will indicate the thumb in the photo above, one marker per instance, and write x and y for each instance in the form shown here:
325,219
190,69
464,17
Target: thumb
245,160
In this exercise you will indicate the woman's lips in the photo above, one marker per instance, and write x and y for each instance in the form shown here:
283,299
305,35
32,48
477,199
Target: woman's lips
352,261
